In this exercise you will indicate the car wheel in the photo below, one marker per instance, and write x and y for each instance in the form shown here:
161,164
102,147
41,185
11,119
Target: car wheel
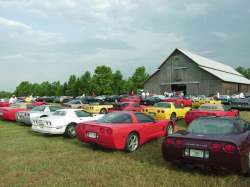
132,142
173,117
70,131
248,171
103,111
170,129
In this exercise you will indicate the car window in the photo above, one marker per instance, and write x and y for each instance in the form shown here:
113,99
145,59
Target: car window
136,105
54,108
115,118
60,113
81,113
162,105
143,118
212,126
39,108
178,105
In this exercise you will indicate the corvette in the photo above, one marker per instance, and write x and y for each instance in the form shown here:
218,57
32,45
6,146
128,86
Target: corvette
9,113
4,104
204,100
126,106
62,122
166,110
180,100
132,98
97,108
214,142
210,110
123,130
37,112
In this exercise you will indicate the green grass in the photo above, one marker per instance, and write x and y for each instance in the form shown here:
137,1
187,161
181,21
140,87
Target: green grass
31,159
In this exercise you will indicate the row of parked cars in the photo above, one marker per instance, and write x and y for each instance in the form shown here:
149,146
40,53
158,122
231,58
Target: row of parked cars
216,137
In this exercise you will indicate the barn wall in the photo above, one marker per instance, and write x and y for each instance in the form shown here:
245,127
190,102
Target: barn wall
152,85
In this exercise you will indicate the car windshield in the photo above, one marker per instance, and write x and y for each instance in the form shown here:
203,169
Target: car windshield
162,105
38,108
121,105
80,113
74,102
212,126
211,107
115,118
59,113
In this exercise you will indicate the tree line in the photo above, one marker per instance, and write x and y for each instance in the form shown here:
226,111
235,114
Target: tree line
103,82
244,71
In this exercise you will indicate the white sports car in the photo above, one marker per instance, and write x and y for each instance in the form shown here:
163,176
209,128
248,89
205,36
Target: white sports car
63,122
37,112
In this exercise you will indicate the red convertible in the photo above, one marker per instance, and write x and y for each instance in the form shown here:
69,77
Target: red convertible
214,142
179,100
126,106
9,113
210,110
132,98
123,130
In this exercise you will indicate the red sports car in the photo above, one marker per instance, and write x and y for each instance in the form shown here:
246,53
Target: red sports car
210,110
186,102
123,130
133,98
9,114
127,106
4,104
215,142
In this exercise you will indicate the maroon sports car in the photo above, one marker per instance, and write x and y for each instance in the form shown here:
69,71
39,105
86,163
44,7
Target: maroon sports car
215,142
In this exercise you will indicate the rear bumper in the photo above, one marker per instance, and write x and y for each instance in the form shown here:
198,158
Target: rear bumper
48,130
234,163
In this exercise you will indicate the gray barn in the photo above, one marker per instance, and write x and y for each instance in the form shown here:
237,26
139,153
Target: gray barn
195,75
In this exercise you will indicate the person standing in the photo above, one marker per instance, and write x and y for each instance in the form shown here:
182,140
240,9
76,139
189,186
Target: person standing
147,94
13,99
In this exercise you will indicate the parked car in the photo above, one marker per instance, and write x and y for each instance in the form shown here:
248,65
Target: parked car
126,106
241,104
27,117
75,103
150,101
123,130
9,113
132,98
225,99
202,100
186,102
166,110
215,142
62,122
4,103
101,108
210,110
112,98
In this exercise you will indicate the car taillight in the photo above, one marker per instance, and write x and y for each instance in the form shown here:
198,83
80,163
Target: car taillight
158,111
215,147
109,131
229,148
170,141
146,110
106,130
102,130
162,111
179,143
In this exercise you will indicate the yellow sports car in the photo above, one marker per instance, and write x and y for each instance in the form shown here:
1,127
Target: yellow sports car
97,109
166,110
209,100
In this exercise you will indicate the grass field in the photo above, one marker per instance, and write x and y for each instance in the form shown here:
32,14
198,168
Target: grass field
31,159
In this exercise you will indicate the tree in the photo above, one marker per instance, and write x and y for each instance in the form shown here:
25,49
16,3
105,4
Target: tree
85,84
118,83
102,80
4,94
244,71
71,86
24,89
138,78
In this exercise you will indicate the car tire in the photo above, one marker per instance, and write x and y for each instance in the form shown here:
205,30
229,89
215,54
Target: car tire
248,171
132,142
169,129
103,111
70,131
173,117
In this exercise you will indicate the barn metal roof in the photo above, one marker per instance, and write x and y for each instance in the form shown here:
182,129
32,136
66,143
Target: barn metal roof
220,70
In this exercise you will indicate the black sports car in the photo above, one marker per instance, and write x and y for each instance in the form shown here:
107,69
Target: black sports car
241,104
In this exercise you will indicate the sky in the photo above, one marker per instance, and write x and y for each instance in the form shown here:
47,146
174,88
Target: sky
49,40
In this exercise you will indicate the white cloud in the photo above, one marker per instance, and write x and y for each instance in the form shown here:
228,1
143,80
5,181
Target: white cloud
221,35
7,23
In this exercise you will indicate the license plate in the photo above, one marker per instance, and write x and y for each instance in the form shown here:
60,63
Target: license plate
151,113
1,113
196,153
91,135
41,125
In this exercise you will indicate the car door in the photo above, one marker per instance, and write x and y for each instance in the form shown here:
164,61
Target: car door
150,129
